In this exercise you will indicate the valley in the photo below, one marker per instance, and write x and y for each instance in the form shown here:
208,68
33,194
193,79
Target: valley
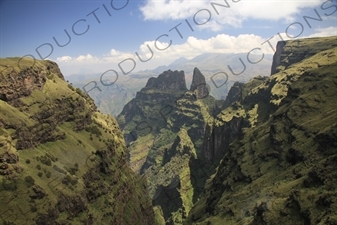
175,149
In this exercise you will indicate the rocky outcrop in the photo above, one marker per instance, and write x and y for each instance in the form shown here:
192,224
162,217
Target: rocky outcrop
291,52
17,83
277,57
165,125
71,157
198,85
172,80
280,144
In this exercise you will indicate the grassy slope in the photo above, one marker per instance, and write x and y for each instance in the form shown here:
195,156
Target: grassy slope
282,169
83,175
158,155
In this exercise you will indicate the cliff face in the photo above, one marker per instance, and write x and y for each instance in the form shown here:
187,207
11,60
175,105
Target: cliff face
165,124
22,82
289,53
279,138
198,85
170,80
60,159
150,103
267,157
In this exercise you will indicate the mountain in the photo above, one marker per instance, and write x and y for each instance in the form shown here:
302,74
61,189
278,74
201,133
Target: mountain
111,99
61,161
215,62
266,154
277,144
164,126
174,64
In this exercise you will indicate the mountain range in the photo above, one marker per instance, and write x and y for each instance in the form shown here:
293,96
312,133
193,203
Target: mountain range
111,99
264,152
264,155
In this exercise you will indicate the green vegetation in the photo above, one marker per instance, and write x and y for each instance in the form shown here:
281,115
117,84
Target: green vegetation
265,155
279,169
255,158
29,181
45,143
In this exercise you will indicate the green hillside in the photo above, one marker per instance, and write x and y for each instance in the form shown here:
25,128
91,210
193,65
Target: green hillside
61,161
281,169
265,155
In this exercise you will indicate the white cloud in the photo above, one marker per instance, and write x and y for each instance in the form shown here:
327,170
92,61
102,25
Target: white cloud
324,32
64,58
222,43
86,58
114,52
233,14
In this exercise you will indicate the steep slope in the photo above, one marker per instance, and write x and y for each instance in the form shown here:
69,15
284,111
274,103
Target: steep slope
165,126
61,161
280,166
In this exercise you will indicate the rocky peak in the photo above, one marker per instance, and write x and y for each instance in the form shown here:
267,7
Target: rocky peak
199,84
277,57
234,94
293,51
17,82
173,80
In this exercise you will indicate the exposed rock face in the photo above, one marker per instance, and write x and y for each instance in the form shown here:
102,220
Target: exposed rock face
17,83
60,159
273,143
234,94
277,57
165,125
172,80
280,139
220,133
198,85
289,53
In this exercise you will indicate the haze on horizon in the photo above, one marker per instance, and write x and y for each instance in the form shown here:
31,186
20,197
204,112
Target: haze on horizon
103,34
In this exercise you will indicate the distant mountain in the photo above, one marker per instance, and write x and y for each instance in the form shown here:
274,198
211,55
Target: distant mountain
165,125
267,154
111,99
172,65
277,144
216,62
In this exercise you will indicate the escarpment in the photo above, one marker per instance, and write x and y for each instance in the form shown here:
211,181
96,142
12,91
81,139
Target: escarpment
273,156
165,126
61,161
264,155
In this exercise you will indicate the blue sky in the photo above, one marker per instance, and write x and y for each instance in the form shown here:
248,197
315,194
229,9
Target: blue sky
126,27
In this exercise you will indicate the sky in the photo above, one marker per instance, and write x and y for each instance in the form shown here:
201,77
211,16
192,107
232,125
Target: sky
85,36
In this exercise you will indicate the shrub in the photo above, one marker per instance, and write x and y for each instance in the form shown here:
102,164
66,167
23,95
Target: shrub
40,174
70,87
9,185
58,169
45,160
33,208
53,158
38,167
27,161
29,181
94,130
48,174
